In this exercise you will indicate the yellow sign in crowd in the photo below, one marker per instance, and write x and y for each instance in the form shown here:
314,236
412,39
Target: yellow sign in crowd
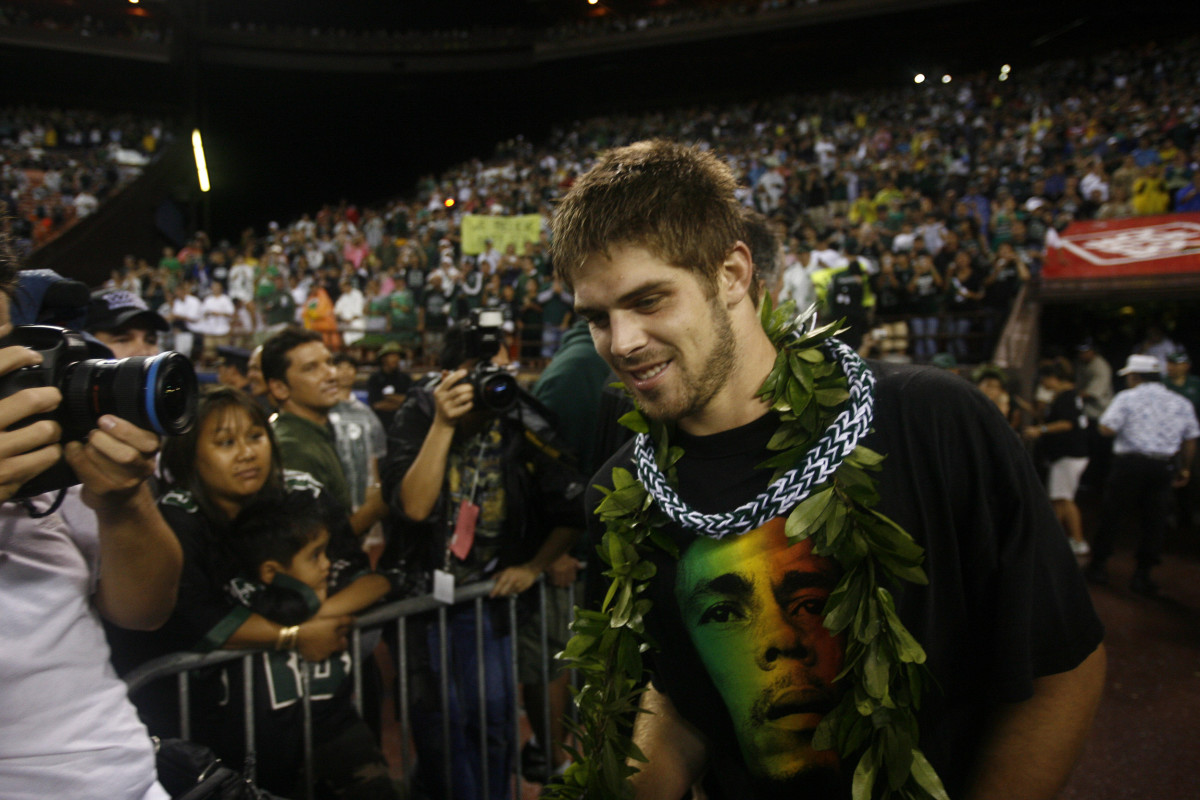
503,231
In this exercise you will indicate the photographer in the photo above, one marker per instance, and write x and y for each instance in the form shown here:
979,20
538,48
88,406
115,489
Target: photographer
478,492
66,727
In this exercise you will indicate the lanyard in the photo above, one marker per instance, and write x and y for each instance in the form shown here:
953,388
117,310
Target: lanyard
469,499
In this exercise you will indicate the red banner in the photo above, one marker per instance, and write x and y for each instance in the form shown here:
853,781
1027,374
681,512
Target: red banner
1138,246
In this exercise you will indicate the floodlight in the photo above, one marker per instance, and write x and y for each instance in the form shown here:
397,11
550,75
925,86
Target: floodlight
201,165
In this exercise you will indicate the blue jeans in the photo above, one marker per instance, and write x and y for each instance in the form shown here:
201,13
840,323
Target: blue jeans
466,761
924,329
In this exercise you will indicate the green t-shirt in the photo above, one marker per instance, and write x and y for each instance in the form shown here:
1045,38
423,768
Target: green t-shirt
1190,389
402,311
309,447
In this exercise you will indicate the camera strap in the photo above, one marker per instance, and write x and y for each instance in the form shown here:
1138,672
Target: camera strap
468,514
31,509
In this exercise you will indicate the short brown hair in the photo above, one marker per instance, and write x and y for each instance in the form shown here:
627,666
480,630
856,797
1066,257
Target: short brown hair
277,350
675,201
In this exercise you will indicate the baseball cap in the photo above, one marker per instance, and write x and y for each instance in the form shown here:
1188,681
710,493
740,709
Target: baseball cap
229,356
1179,357
1141,365
389,347
944,361
117,308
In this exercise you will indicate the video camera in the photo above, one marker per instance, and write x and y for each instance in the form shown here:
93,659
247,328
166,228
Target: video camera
495,388
157,393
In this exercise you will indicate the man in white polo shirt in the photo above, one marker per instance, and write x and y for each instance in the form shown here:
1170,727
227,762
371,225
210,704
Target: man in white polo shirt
1153,426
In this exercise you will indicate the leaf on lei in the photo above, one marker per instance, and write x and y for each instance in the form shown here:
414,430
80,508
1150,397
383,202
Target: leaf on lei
865,458
864,775
927,777
803,517
634,421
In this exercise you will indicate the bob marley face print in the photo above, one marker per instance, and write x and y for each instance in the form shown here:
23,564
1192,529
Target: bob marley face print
753,606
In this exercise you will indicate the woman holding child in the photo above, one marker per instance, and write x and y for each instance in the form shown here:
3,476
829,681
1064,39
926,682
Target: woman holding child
269,561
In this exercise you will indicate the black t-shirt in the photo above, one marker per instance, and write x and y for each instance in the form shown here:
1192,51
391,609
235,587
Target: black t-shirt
890,293
845,294
957,288
924,295
1004,289
1068,444
1005,601
385,384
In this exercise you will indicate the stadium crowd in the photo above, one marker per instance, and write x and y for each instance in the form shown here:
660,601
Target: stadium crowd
57,166
924,209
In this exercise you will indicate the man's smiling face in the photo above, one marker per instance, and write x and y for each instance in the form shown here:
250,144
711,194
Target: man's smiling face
660,328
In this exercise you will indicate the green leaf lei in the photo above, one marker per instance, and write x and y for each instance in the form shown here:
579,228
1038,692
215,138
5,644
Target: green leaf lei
883,674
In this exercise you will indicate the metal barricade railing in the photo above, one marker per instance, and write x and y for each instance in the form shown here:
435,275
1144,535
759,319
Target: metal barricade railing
182,664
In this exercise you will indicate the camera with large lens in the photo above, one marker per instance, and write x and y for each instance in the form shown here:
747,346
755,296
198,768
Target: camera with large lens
157,393
495,388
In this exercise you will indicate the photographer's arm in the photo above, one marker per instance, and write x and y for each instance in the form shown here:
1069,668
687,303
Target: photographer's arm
422,483
140,558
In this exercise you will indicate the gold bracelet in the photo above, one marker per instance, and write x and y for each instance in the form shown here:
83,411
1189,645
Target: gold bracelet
287,638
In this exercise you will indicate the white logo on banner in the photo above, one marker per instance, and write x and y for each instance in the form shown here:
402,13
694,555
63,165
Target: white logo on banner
1136,244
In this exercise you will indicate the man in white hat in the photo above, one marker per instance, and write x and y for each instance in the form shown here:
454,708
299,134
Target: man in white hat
1153,427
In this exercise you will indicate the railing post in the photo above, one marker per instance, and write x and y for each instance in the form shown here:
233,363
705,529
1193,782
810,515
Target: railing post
515,783
185,707
444,663
481,686
544,632
251,765
306,697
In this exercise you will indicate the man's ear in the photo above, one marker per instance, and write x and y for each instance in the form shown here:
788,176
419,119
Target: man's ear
736,274
268,570
279,390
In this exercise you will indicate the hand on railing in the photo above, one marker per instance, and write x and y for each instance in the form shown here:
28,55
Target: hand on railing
321,637
514,580
563,572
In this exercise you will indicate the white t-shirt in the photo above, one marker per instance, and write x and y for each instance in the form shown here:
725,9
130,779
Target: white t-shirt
241,282
67,729
218,314
189,310
349,309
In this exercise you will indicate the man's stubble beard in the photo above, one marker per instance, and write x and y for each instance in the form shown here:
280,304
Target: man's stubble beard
715,371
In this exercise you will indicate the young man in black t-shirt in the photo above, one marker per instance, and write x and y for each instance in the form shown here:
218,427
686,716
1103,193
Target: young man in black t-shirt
651,242
1063,439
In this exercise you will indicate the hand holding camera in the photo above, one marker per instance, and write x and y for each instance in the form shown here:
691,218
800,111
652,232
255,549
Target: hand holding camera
57,392
26,450
114,462
454,397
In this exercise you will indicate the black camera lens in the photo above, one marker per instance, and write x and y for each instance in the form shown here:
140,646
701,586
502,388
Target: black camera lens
157,393
495,389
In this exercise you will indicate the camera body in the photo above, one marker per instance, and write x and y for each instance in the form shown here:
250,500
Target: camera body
495,388
157,393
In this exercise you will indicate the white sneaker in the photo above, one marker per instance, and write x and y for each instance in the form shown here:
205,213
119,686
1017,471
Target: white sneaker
1080,548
